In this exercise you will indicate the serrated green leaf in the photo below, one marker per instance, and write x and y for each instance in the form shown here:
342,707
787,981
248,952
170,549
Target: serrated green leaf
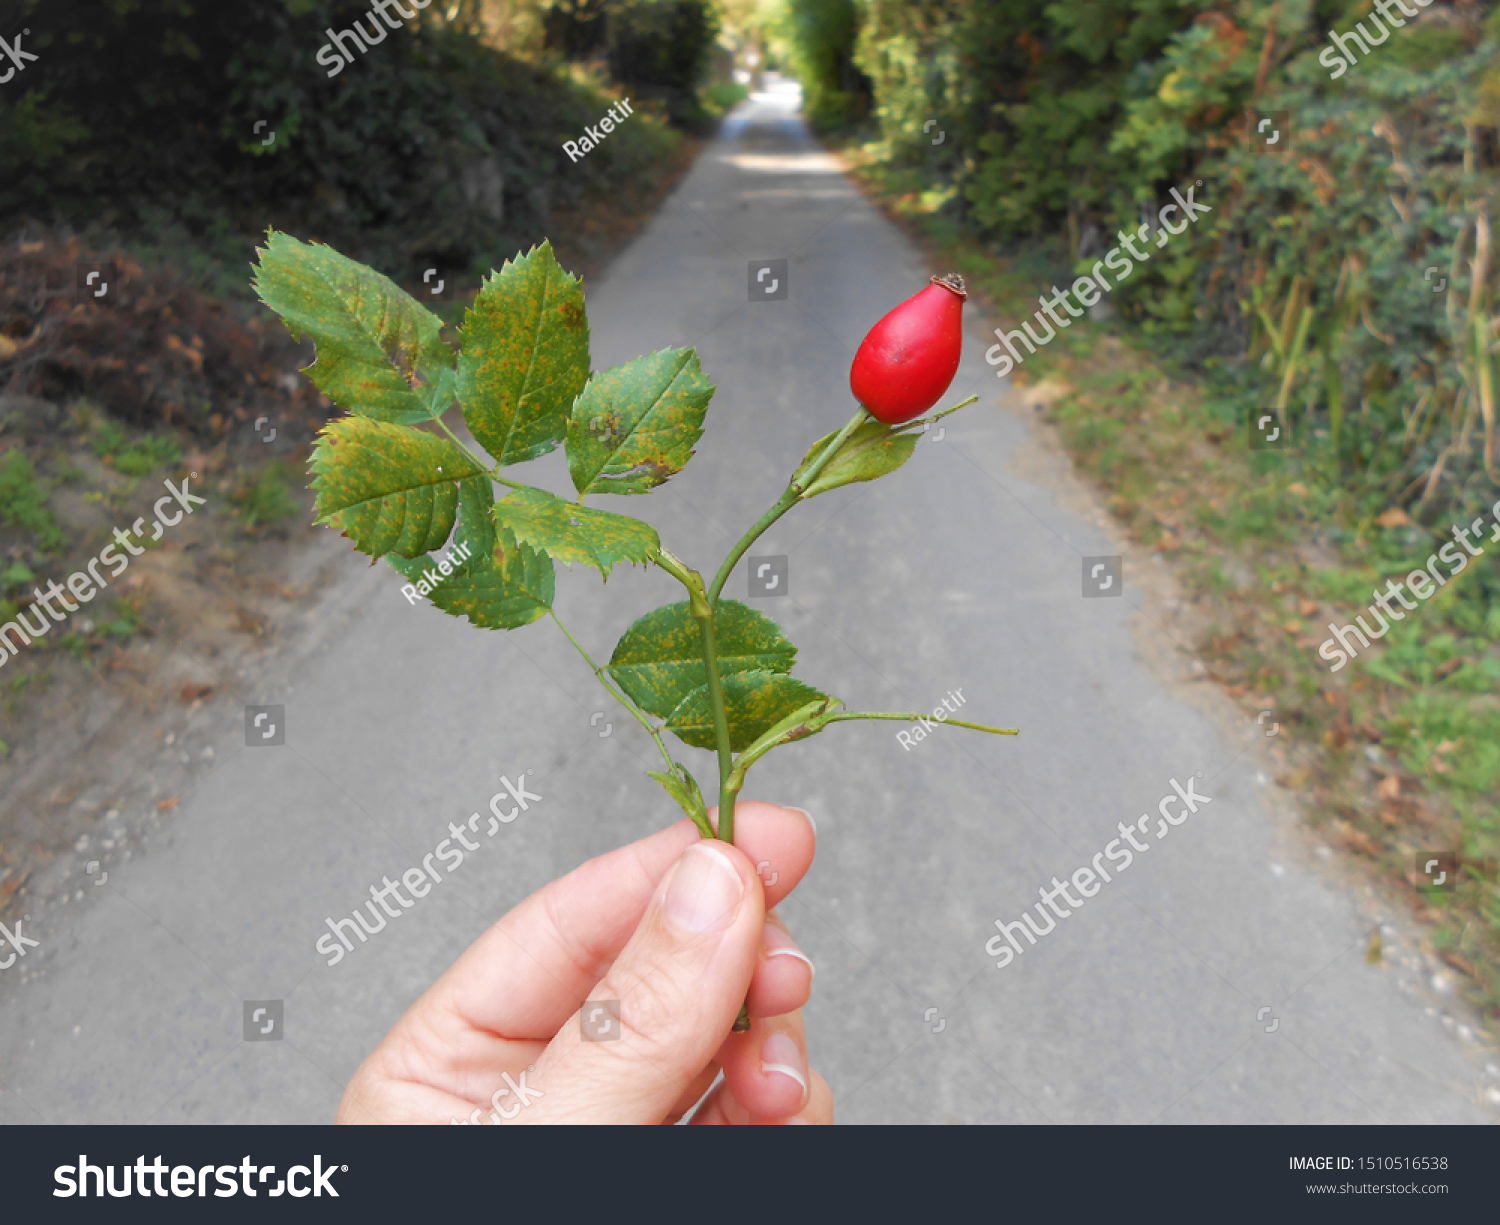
635,426
572,533
871,451
389,488
685,791
379,350
495,581
525,357
754,702
659,660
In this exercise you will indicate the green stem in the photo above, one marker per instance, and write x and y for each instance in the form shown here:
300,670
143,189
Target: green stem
703,613
619,695
494,473
921,421
459,443
784,503
913,716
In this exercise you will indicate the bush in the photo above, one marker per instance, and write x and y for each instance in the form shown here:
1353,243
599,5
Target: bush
661,48
431,144
1304,290
822,34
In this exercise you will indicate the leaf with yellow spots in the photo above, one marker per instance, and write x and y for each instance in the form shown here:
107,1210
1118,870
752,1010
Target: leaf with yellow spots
525,357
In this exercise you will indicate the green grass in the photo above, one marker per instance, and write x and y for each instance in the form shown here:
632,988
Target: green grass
111,443
720,97
23,503
17,574
269,498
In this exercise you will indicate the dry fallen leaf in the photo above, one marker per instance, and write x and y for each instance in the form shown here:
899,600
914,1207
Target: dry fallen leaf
1390,788
1459,962
1357,839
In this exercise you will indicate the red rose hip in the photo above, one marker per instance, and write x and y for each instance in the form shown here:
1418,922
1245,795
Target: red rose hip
909,357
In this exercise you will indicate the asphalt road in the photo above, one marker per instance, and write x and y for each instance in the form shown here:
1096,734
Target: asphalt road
1222,978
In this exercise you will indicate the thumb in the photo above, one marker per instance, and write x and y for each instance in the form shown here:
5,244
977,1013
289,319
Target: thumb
679,983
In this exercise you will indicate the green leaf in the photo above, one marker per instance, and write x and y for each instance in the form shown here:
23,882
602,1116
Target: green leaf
659,660
379,352
635,426
571,533
525,357
499,584
388,488
685,791
870,452
754,702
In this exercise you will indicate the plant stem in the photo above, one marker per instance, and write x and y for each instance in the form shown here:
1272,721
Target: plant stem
458,442
619,696
703,613
784,503
912,716
494,473
917,424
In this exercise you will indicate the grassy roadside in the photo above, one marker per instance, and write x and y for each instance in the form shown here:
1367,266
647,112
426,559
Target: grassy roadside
1397,754
98,405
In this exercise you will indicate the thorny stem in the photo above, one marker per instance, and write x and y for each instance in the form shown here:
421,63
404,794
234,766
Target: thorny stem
794,490
784,503
619,696
923,421
703,613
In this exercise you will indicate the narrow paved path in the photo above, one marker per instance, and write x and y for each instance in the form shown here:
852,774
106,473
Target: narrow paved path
1221,978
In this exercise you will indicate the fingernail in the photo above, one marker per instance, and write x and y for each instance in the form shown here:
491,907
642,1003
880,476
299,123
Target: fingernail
705,891
778,944
781,1055
808,815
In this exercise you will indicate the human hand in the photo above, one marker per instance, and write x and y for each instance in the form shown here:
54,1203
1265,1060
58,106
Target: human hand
675,927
